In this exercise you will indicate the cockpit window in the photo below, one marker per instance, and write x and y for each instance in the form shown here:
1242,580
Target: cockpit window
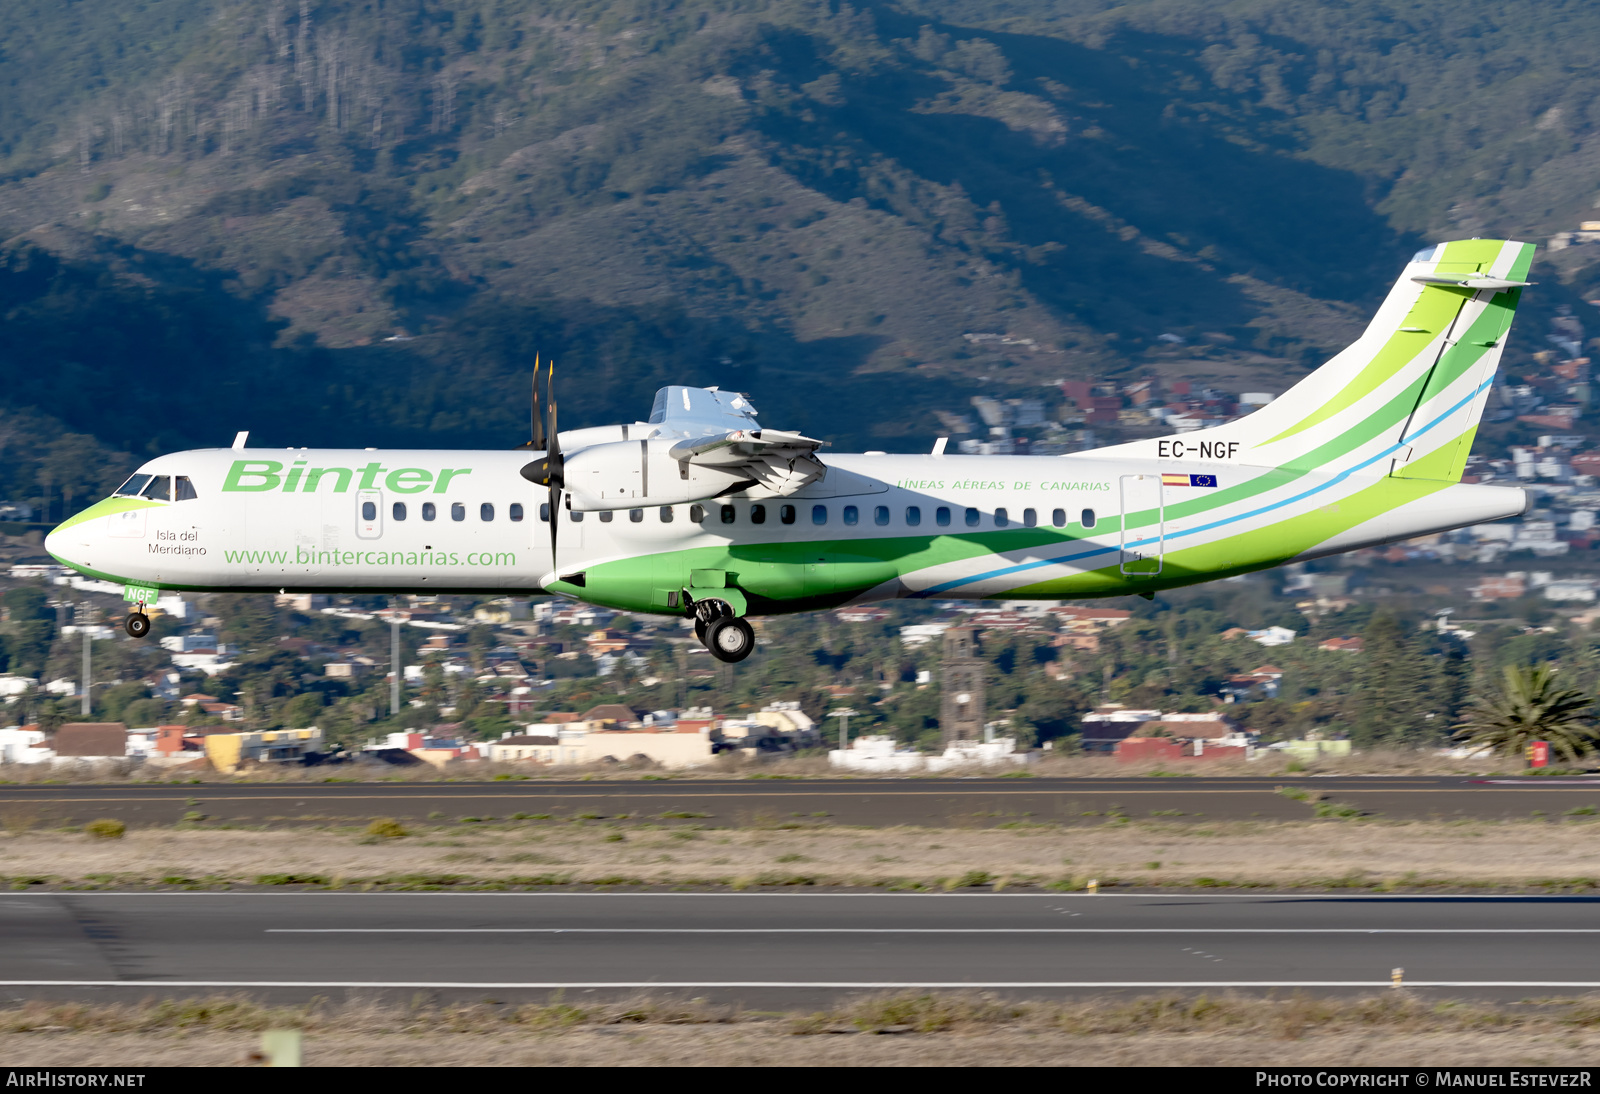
131,488
183,489
160,488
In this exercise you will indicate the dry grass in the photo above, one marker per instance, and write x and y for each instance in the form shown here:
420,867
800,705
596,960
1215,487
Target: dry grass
1315,854
1269,765
895,1030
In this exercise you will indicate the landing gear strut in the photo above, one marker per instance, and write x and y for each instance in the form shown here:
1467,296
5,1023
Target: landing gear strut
728,637
137,625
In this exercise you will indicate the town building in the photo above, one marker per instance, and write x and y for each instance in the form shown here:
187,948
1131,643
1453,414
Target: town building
527,747
679,746
229,751
24,745
83,742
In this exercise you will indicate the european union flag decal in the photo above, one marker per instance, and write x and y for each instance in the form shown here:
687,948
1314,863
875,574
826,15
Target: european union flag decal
1203,480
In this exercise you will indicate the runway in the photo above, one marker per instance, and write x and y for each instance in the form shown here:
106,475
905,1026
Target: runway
747,802
787,948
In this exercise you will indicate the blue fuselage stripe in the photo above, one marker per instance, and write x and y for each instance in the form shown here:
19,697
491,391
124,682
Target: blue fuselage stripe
1342,476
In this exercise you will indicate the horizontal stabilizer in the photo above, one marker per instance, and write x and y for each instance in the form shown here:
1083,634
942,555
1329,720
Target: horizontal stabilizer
1469,282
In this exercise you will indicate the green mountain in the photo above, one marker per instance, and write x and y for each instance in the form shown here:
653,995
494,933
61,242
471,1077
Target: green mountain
356,221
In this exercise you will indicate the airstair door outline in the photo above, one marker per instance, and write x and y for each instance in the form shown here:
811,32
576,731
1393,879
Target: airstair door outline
1144,544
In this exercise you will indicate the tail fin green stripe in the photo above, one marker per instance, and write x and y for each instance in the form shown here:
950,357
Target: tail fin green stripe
1434,312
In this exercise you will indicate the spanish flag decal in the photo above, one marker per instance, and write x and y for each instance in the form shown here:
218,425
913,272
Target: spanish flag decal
1189,480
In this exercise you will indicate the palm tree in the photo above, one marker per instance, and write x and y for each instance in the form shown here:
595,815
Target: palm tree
1529,707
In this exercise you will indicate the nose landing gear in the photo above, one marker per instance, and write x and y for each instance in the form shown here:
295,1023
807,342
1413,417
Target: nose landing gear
728,637
137,625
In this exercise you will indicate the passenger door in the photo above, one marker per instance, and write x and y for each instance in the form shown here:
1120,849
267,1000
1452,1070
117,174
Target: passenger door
1144,524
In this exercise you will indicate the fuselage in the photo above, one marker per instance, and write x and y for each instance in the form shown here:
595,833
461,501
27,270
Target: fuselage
874,527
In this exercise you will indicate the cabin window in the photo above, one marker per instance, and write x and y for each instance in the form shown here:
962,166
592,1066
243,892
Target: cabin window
399,510
458,511
429,512
1001,519
666,514
575,516
880,515
131,488
607,516
727,514
486,511
544,511
819,514
913,516
786,514
758,514
369,510
1029,518
1058,517
635,515
1088,518
183,489
852,515
697,513
941,516
973,516
514,511
160,488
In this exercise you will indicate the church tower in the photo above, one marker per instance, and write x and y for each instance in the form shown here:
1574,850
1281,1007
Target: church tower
962,674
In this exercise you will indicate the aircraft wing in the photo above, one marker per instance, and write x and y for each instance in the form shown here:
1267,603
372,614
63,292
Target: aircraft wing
698,411
718,430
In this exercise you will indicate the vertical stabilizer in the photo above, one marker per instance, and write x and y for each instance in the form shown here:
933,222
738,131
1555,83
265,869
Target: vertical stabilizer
1406,397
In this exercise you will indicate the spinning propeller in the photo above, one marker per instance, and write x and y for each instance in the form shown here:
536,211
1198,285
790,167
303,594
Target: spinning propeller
549,470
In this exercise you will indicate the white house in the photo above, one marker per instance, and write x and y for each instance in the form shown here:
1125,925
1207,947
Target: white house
875,754
16,685
920,634
1272,636
1573,589
999,752
18,746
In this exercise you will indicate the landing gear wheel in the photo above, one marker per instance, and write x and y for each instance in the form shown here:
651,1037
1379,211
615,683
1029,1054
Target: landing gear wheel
138,625
730,639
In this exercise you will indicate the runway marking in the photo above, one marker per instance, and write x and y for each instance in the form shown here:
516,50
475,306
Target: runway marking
1168,895
931,930
222,799
553,985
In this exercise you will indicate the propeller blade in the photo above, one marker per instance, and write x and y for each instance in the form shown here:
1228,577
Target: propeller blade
555,521
550,384
536,432
553,464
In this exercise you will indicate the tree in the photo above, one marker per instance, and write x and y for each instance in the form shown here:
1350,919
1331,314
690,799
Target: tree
1399,697
1527,707
143,712
301,711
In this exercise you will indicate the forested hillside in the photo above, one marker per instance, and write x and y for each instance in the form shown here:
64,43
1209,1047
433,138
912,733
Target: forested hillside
355,221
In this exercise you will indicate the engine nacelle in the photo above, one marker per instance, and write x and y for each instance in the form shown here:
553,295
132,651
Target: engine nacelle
633,474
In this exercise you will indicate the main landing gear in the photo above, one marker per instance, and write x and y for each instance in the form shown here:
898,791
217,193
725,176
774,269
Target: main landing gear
137,625
728,637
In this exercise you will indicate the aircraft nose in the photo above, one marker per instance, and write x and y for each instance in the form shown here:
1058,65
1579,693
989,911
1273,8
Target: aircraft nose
61,547
72,542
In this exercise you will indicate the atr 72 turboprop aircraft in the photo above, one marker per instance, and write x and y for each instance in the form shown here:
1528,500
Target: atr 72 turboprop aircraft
700,512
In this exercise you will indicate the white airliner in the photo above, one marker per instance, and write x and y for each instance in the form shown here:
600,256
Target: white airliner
700,512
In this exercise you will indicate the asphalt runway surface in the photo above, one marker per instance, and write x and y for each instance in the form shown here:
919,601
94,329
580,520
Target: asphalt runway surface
741,802
787,949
